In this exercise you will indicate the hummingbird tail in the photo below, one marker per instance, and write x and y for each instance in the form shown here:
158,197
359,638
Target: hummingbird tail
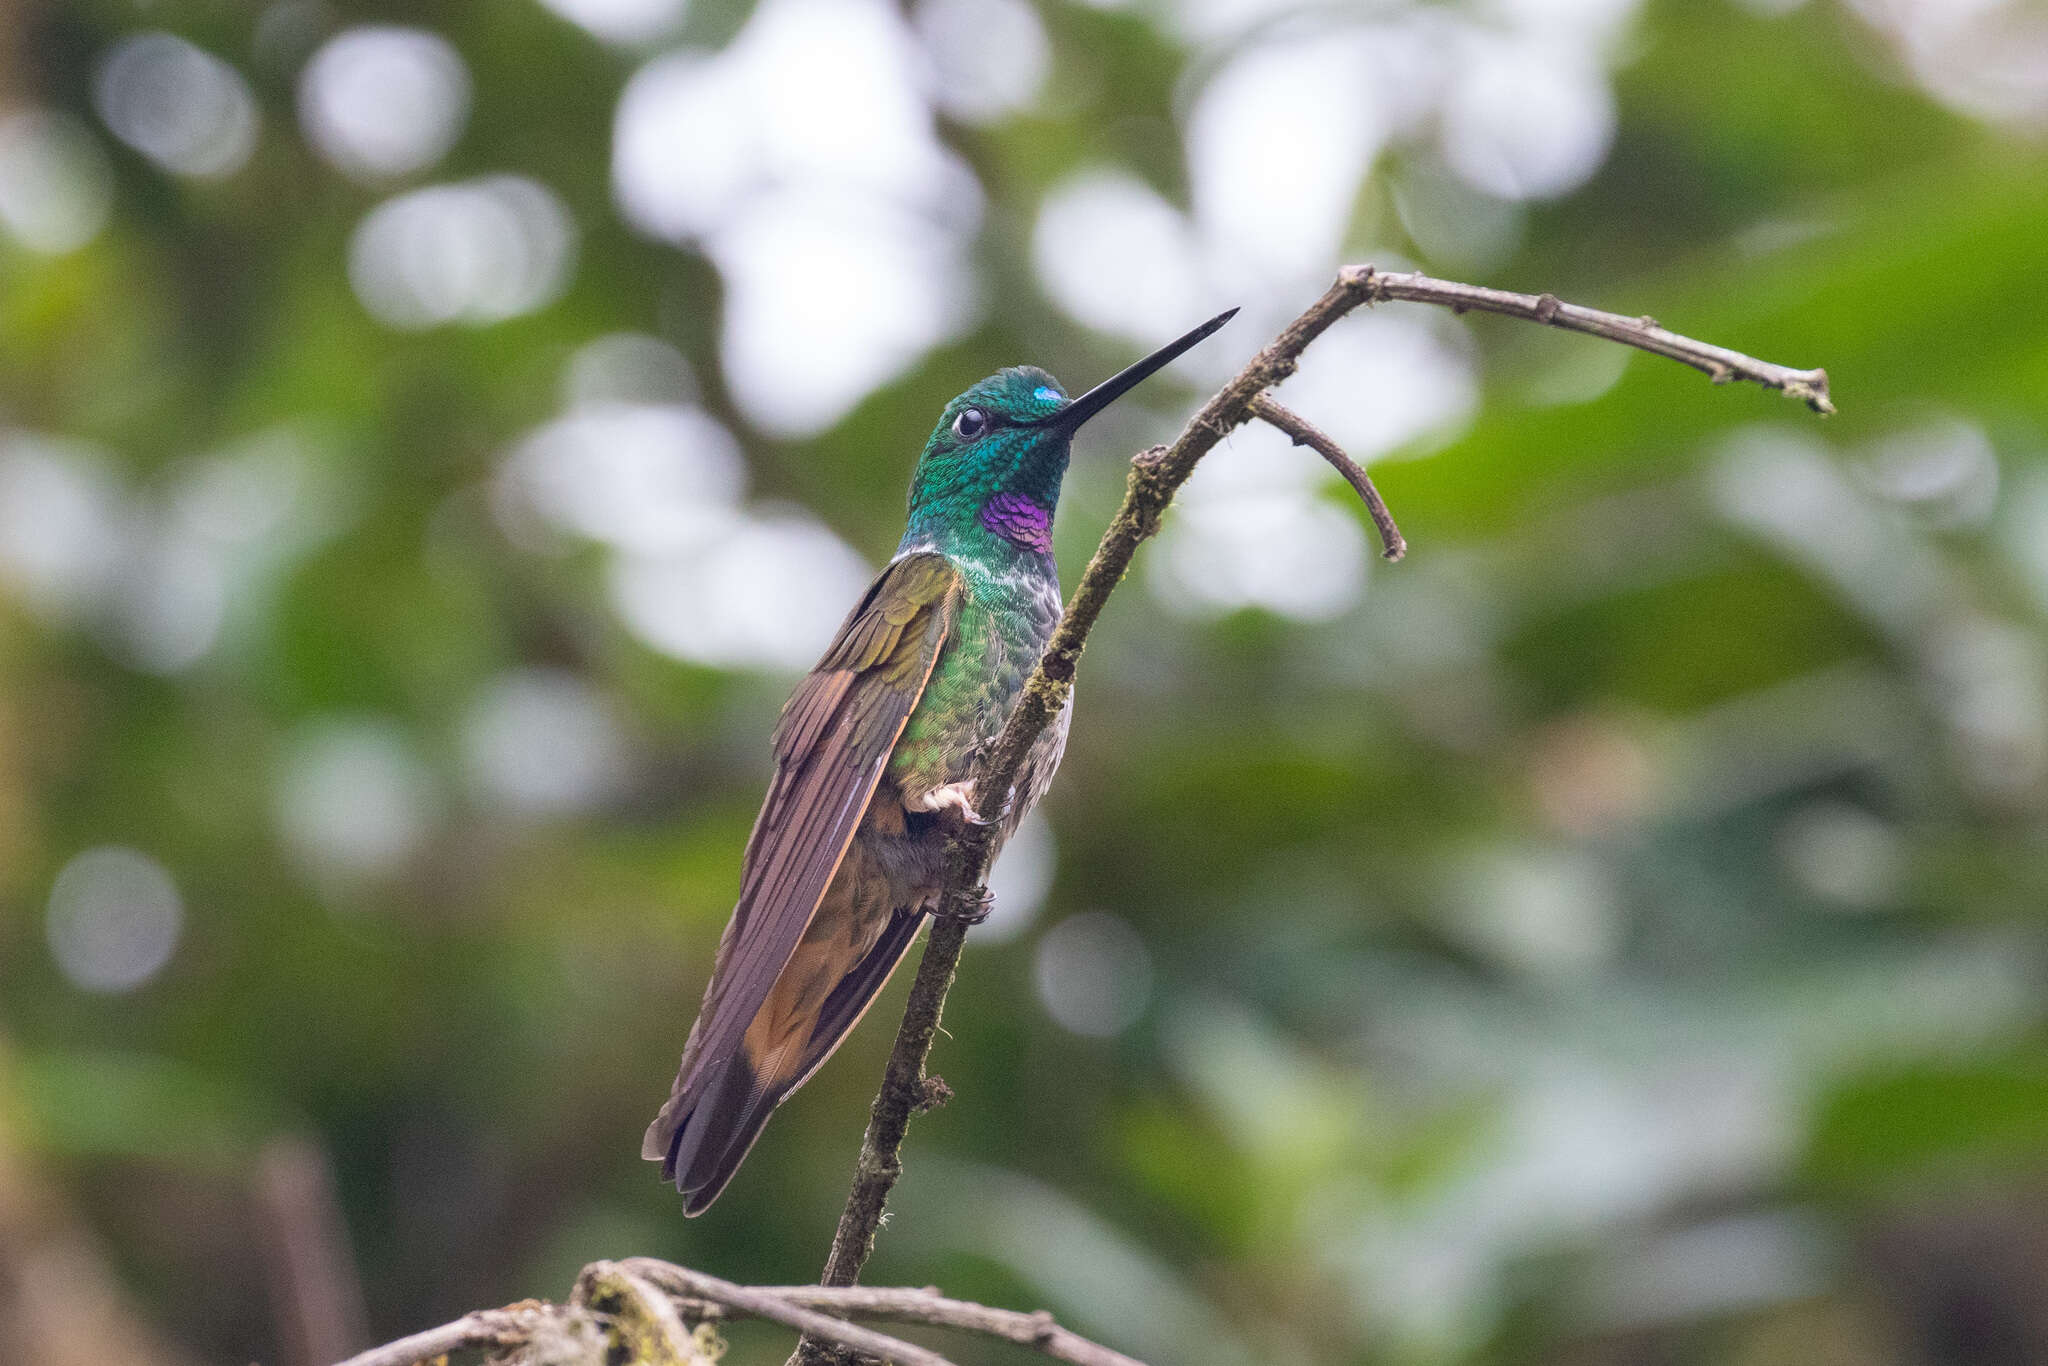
712,1138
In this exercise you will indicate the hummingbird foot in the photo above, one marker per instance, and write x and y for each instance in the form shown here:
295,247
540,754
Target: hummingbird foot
972,908
956,798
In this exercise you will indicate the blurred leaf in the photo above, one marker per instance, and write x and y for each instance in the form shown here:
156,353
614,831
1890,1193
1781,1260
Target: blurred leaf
130,1105
1893,1131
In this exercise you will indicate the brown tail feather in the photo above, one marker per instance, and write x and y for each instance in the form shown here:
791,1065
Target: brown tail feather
698,1131
714,1138
711,1141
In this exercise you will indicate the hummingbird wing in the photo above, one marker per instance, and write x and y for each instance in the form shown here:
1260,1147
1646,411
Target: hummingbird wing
831,746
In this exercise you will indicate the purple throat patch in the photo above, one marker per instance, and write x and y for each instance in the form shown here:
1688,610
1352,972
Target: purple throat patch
1019,520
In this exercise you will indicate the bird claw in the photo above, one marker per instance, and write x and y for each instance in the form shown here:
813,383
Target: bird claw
969,816
972,908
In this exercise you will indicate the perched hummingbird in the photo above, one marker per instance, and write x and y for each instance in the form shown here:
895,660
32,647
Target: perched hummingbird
873,756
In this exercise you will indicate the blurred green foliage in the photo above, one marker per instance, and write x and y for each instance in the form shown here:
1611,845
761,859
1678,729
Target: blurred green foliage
1614,936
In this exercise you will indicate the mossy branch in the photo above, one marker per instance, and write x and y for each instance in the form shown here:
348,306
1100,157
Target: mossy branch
644,1312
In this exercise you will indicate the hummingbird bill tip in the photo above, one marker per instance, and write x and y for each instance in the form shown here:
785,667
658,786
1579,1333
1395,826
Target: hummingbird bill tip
1107,392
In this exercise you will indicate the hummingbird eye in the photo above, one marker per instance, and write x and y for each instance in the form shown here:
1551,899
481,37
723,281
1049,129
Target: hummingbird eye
971,423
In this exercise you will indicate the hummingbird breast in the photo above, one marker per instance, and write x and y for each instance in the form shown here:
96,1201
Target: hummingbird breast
1006,617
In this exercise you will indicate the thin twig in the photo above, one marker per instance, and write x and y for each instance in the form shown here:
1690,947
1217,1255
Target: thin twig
1718,363
1305,433
640,1310
773,1305
902,1089
1156,476
512,1326
1039,1331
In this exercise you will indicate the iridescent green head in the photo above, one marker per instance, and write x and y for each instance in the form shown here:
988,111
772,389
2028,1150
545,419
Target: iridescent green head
991,473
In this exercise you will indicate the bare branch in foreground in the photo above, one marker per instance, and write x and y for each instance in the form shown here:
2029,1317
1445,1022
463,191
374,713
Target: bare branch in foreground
1156,476
641,1324
488,1329
1039,1330
651,1313
767,1304
1305,433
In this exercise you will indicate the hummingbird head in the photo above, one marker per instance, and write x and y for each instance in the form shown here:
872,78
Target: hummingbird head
994,464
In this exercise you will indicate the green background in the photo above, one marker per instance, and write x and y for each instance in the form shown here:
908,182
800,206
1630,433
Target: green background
1612,935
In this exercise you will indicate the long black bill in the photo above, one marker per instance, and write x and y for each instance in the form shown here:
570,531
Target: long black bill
1127,379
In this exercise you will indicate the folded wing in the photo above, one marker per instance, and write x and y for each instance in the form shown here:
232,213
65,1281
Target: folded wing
831,747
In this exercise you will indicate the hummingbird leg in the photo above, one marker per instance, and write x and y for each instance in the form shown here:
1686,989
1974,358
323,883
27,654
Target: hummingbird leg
975,907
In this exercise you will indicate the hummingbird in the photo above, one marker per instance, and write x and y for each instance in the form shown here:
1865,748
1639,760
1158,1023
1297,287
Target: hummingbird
874,754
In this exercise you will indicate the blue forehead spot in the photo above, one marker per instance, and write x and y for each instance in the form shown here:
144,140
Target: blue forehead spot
1046,394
